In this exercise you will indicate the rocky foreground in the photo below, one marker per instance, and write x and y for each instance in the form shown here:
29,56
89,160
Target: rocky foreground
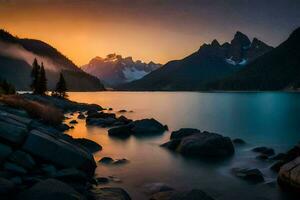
38,161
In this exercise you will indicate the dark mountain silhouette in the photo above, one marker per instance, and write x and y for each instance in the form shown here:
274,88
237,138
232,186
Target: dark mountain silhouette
276,70
210,63
16,56
114,69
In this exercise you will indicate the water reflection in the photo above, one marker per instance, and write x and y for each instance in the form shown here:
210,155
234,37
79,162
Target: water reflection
269,119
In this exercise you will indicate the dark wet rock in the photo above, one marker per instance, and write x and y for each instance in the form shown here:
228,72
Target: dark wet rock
122,111
203,144
59,152
6,186
264,150
147,126
153,188
23,159
183,132
81,116
251,175
194,194
51,189
5,151
102,180
14,168
110,109
73,121
138,128
70,175
106,160
31,180
262,157
121,131
90,112
115,179
238,141
124,119
289,175
101,115
110,193
12,133
120,161
89,144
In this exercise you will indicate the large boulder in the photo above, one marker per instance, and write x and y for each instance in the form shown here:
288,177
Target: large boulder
51,189
111,194
289,175
59,151
203,144
194,194
121,131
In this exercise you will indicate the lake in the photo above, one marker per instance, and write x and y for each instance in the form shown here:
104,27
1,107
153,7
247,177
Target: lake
261,119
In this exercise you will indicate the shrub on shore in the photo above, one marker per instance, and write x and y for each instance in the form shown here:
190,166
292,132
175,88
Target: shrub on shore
46,113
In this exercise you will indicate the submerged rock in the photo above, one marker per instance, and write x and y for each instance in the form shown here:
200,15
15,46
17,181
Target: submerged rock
264,150
238,141
102,180
106,160
110,193
251,175
73,121
120,161
203,144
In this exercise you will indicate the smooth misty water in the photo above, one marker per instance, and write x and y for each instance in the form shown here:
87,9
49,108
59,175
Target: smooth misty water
269,119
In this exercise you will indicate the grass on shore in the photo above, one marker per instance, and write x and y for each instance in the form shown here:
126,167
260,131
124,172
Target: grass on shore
46,113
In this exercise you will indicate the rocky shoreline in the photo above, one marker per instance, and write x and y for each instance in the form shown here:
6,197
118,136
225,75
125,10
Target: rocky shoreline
39,161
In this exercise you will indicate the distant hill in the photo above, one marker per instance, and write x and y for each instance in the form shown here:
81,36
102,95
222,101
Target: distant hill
210,63
276,70
114,69
16,56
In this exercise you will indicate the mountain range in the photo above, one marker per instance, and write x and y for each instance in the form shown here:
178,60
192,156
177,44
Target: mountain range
17,55
115,70
278,69
212,62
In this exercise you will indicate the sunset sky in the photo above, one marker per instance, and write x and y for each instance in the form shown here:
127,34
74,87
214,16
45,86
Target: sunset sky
158,30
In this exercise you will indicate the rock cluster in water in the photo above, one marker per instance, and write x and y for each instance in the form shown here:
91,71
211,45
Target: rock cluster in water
193,142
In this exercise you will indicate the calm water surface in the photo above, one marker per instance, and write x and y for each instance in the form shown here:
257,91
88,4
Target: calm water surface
269,119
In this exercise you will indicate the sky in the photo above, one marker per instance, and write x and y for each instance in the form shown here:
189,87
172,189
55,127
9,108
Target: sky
148,30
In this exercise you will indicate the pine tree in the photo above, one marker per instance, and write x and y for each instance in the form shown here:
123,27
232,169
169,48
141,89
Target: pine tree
42,81
35,76
61,87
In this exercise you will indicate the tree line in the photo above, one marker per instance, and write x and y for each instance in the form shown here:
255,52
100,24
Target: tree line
39,81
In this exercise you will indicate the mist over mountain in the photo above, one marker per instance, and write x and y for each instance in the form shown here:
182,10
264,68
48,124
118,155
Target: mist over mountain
17,55
278,69
114,69
210,63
